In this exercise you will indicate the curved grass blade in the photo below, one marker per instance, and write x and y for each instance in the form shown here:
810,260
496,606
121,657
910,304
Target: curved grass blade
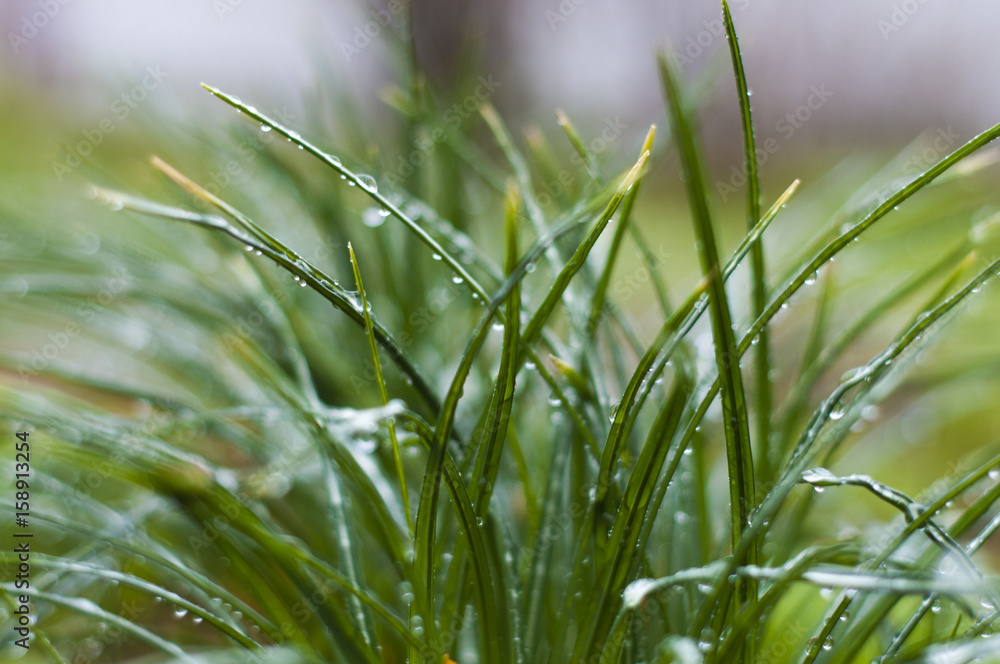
219,622
364,184
763,388
88,608
373,345
734,408
576,262
620,551
494,431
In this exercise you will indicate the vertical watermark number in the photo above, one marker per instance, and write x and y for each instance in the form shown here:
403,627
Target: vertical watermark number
22,537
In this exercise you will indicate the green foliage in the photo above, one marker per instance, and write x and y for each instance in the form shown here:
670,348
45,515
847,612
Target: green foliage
472,454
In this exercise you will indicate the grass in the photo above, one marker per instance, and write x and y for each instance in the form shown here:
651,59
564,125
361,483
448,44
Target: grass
287,436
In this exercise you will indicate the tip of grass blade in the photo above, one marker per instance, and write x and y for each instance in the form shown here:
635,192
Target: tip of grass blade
214,90
108,197
182,180
489,114
985,229
788,194
634,173
647,145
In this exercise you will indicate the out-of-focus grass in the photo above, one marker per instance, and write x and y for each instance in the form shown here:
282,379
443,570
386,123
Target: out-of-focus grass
219,461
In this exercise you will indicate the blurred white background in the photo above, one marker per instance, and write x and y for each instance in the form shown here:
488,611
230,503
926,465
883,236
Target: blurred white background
893,68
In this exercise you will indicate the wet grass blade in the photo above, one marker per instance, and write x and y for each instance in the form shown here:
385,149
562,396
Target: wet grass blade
383,392
762,362
734,407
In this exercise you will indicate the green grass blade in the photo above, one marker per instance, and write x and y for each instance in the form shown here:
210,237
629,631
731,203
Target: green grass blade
600,291
762,364
297,266
376,361
576,262
734,408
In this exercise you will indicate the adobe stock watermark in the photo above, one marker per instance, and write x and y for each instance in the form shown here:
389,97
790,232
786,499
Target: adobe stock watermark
562,13
417,324
934,146
55,343
35,22
939,144
787,126
245,326
369,31
610,133
901,14
224,7
121,108
248,151
452,118
107,634
696,45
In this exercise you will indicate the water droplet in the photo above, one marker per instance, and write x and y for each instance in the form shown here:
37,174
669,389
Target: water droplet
373,217
249,247
994,474
258,252
366,445
196,619
302,284
529,365
479,521
814,475
496,326
265,128
613,411
436,257
555,401
180,612
368,182
837,414
457,279
936,607
755,340
811,279
530,267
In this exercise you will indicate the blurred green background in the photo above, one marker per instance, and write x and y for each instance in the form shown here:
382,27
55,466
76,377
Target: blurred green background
90,297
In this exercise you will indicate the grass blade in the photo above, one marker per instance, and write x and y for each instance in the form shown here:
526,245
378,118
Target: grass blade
762,363
734,408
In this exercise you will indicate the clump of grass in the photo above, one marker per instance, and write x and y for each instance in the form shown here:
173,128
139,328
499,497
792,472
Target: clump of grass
326,455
